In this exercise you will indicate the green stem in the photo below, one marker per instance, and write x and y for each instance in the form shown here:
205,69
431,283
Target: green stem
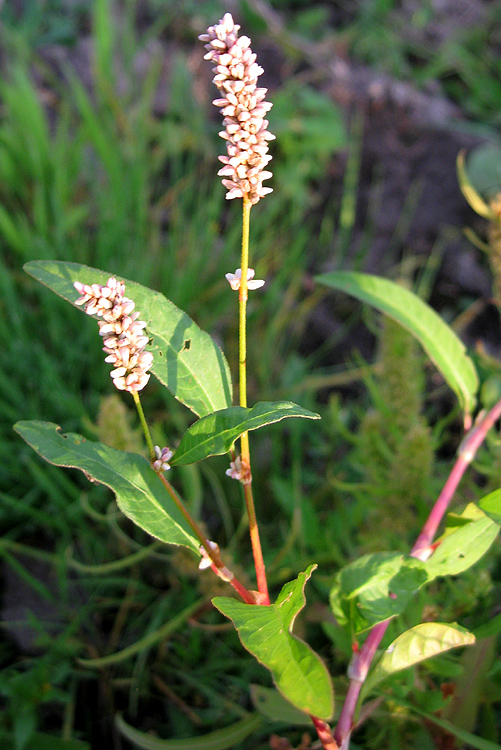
244,439
144,425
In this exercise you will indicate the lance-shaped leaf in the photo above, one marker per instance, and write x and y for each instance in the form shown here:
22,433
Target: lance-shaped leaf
215,434
438,340
186,359
417,644
374,588
265,631
491,506
219,739
462,544
140,494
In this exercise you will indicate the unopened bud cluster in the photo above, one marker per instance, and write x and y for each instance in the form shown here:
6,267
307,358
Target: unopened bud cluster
244,108
123,334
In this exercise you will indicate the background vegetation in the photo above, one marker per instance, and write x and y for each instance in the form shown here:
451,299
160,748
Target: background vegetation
108,155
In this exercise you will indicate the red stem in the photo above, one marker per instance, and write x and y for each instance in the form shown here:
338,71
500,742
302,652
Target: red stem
422,549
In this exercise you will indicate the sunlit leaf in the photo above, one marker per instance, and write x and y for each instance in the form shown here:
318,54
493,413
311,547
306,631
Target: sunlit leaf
417,644
140,494
491,505
265,631
215,434
469,191
461,548
438,340
186,359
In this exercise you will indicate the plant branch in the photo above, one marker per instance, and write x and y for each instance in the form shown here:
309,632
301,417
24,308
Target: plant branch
422,549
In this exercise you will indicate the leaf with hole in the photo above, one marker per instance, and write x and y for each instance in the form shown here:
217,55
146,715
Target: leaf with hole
185,358
438,340
215,434
374,588
139,492
266,631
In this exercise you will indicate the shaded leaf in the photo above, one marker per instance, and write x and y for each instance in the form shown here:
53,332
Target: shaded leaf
438,340
275,707
374,588
220,739
186,359
265,631
215,434
417,644
140,494
471,192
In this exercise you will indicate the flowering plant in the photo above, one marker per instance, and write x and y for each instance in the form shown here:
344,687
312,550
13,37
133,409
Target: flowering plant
366,595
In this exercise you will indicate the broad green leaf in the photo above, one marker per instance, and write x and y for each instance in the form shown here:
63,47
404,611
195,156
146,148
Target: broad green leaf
186,359
491,505
215,434
438,340
220,739
461,548
374,588
140,494
275,707
265,631
417,644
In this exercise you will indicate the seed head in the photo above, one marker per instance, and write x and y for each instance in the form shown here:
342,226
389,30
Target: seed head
243,107
123,334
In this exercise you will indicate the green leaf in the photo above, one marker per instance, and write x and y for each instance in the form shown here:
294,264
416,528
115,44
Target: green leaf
186,359
417,644
374,588
215,434
438,340
220,739
140,494
42,741
466,738
491,505
265,631
273,705
461,547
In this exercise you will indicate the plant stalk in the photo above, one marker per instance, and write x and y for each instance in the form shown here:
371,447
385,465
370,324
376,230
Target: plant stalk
244,438
422,549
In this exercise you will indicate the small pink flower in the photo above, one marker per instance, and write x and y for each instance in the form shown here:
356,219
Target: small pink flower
163,457
235,278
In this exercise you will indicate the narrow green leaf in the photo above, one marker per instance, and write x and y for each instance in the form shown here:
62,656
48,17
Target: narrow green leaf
220,739
140,494
265,631
374,588
491,505
186,359
470,193
438,340
417,644
275,707
215,434
461,548
466,738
